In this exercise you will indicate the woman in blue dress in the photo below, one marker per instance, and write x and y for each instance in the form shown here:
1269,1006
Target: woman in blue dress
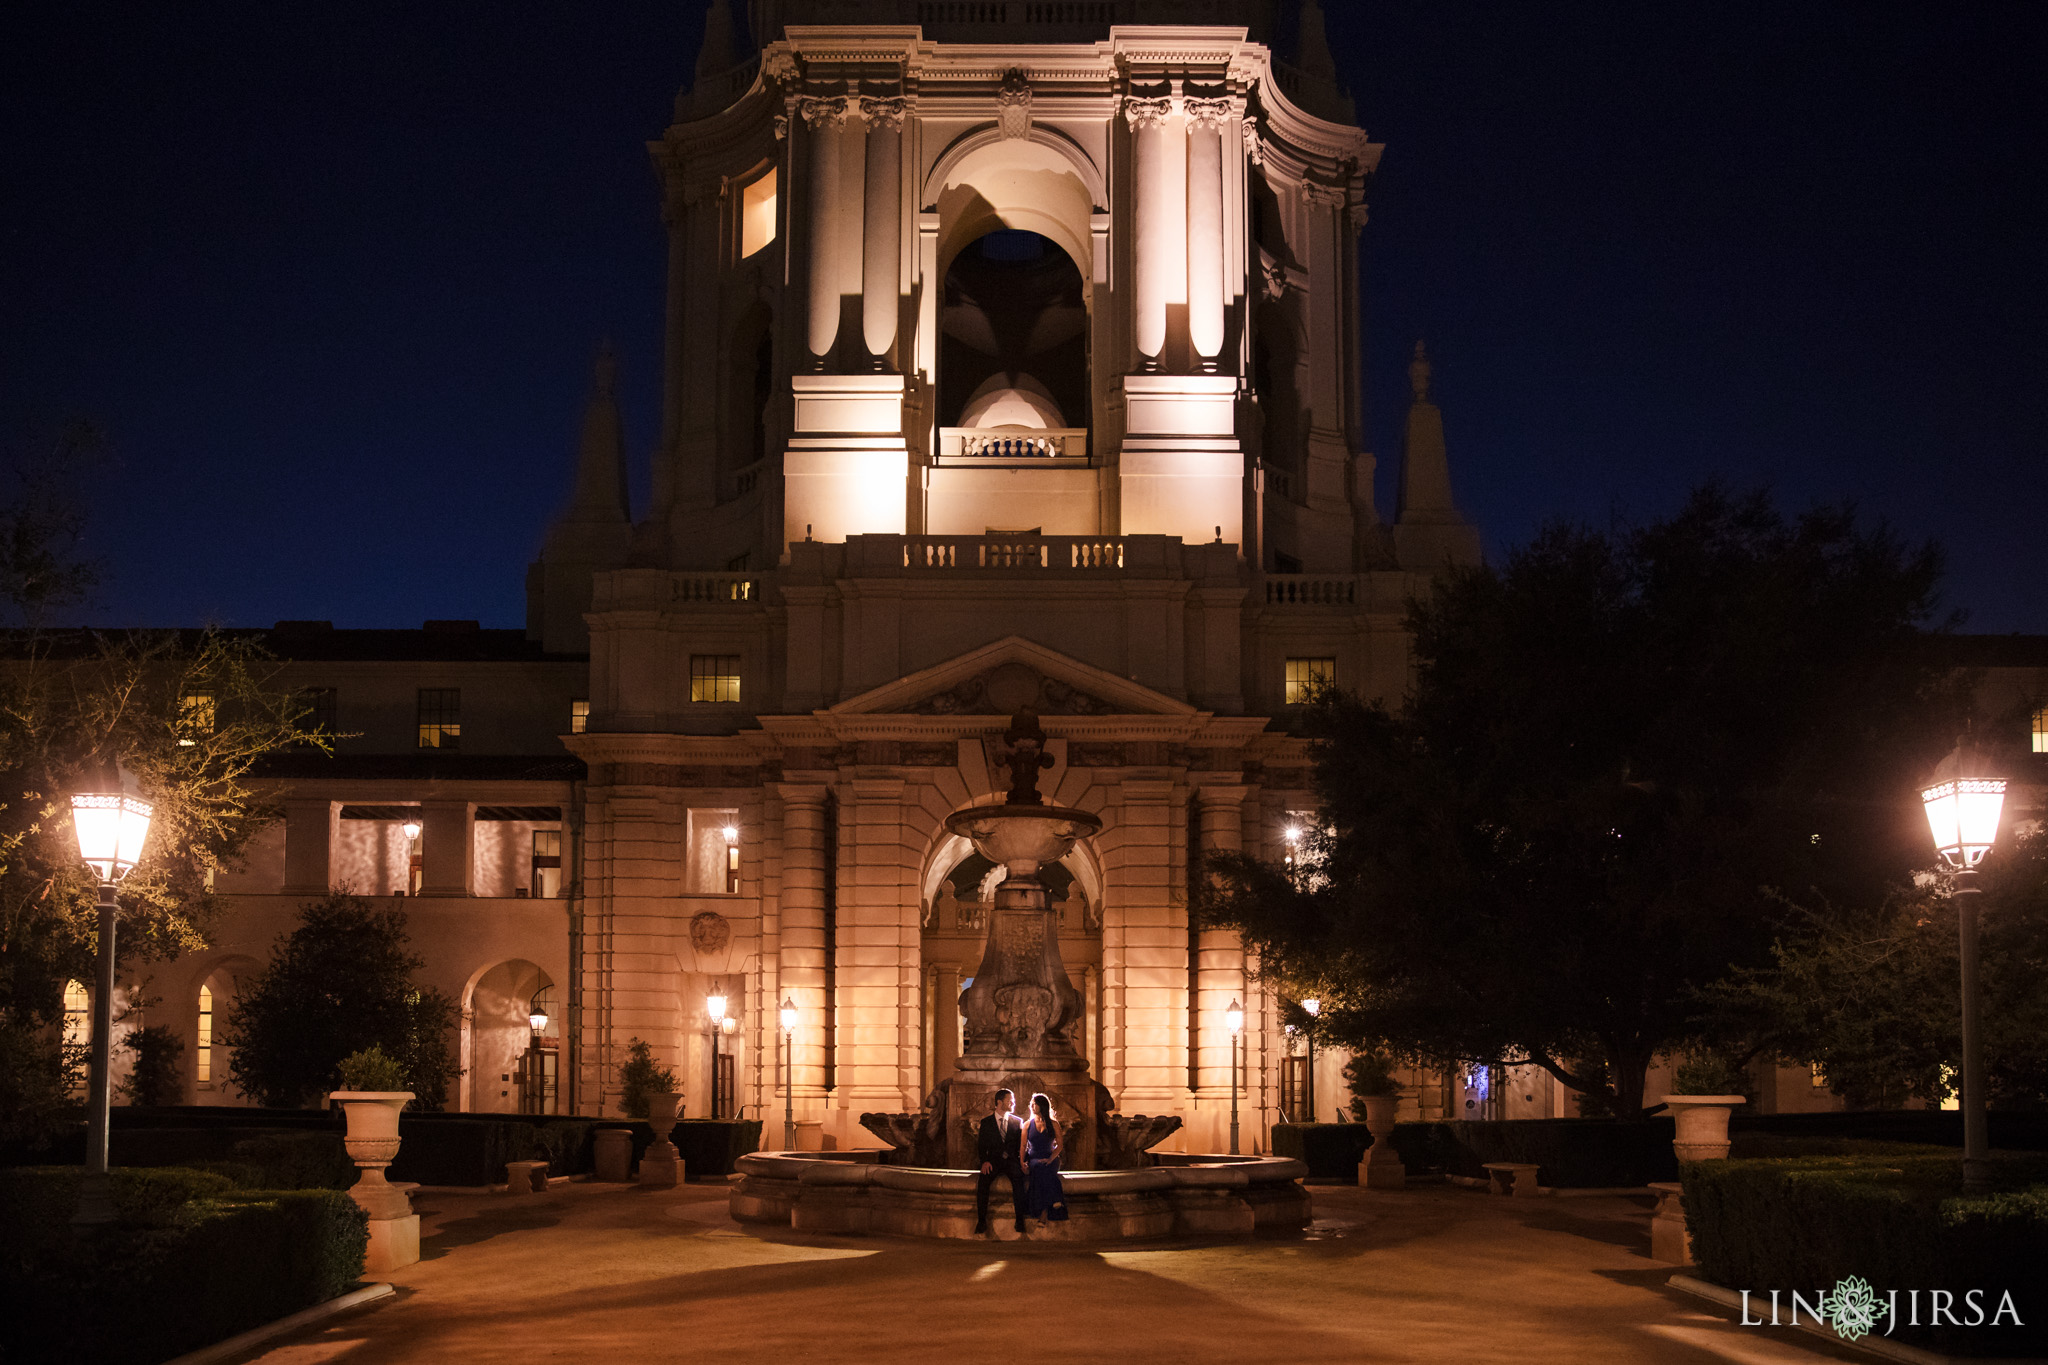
1046,1196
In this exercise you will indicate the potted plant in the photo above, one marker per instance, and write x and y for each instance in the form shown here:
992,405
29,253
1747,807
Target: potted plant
1375,1100
1708,1088
370,1101
647,1090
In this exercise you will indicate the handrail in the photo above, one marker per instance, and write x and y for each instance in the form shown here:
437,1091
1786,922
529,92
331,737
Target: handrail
1013,443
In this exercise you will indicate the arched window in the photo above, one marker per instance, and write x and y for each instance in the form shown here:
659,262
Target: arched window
203,1064
77,1028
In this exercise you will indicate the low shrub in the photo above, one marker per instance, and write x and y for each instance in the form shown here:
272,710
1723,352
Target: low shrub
1568,1153
1331,1151
297,1161
188,1262
1898,1221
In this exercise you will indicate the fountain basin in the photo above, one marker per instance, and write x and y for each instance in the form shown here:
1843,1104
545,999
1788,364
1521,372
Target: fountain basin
1185,1196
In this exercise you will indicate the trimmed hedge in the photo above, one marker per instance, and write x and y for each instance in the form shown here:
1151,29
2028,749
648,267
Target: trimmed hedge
1568,1153
709,1147
2013,1130
473,1149
188,1262
1899,1221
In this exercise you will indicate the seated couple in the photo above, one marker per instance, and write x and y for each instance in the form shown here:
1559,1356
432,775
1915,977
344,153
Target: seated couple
1027,1155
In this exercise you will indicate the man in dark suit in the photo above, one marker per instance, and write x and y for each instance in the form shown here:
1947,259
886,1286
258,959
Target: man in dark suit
1000,1145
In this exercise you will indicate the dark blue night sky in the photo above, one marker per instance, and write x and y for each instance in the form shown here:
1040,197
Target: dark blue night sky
332,277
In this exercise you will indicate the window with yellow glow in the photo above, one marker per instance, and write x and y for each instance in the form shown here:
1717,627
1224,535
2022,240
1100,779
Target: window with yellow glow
713,865
757,215
195,717
579,717
440,716
1304,676
202,1066
714,677
2041,730
77,1028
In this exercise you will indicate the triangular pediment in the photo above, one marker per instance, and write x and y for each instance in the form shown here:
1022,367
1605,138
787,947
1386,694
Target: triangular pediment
999,678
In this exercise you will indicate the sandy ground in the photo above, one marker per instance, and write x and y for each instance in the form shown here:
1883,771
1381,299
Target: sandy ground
616,1273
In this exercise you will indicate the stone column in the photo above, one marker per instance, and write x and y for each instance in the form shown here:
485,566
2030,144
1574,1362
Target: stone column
802,960
447,831
1206,122
945,1022
825,118
882,235
309,831
1219,968
1156,220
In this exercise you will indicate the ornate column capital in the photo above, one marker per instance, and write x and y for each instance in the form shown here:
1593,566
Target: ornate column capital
886,112
1325,196
1254,148
823,113
1146,113
1208,113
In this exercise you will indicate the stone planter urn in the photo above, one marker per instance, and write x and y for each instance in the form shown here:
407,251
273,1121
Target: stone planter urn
1702,1124
1382,1168
661,1163
372,1139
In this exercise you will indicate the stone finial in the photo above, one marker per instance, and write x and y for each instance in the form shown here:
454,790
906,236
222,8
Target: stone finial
1315,55
715,54
1418,374
1025,757
604,371
601,453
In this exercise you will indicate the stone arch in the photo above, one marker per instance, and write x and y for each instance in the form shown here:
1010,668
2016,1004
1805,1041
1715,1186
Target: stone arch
1042,183
496,1034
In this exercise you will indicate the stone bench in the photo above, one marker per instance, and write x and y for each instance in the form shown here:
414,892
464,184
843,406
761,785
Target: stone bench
526,1177
1516,1178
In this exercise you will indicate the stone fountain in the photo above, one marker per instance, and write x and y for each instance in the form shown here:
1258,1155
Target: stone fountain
1022,1014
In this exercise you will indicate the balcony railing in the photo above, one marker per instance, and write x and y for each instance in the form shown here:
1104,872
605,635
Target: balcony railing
1021,444
1311,590
1012,552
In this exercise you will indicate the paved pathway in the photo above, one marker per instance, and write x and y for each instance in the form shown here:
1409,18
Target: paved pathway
619,1274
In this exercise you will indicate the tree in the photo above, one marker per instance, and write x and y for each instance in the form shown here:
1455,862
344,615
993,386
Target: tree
640,1076
1614,742
339,983
154,1077
1872,995
73,701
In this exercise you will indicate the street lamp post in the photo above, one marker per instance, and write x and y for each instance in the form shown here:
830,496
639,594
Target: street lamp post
1234,1016
1313,1007
1963,805
714,1006
788,1079
111,824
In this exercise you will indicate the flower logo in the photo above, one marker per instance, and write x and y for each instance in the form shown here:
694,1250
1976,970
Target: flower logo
1852,1308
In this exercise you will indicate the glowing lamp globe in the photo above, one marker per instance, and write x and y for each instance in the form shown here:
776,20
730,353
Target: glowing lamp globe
714,1005
1234,1018
411,828
1963,802
1313,1006
538,1018
731,833
112,826
788,1015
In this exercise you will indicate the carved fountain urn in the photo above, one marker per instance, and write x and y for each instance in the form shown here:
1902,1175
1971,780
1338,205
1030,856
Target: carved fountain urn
1022,1016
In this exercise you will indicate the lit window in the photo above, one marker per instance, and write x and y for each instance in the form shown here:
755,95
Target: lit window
2041,731
714,677
714,855
321,708
1820,1076
440,718
579,717
195,716
77,1029
203,1064
545,880
1306,676
757,215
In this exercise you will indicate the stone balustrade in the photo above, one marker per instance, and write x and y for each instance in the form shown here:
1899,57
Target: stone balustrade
1013,443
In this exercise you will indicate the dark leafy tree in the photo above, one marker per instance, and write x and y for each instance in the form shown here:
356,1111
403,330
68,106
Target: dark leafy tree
640,1076
1624,755
339,983
154,1077
1872,996
72,701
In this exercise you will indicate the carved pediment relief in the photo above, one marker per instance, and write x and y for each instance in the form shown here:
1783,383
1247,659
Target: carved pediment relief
1008,688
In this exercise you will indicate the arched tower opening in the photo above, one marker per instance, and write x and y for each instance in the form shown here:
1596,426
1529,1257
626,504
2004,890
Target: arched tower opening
1013,323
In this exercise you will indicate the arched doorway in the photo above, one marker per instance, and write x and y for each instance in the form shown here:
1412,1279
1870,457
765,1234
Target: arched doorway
510,1066
1013,324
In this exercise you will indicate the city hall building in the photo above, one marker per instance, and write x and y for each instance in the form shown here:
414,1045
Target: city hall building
1012,360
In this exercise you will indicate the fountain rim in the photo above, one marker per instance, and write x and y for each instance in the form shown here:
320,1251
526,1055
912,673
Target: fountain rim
998,810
